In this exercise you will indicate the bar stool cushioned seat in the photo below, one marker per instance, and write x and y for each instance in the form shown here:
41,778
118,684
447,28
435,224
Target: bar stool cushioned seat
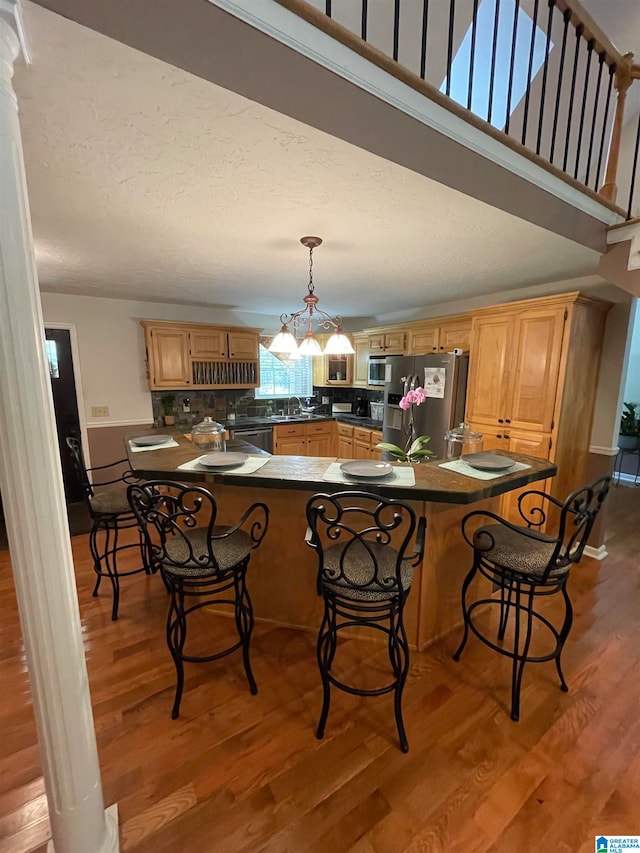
364,576
202,564
527,566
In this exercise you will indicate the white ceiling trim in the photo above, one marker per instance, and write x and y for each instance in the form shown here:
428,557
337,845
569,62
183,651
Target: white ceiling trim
290,29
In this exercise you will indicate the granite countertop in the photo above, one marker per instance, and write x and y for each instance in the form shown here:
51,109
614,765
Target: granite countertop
252,423
304,473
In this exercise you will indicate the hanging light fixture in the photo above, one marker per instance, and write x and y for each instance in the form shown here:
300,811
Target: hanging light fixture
285,342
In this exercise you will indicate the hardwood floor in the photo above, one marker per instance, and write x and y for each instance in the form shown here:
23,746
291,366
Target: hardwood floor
245,773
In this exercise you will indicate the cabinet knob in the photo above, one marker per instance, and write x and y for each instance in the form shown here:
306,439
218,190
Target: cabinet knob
500,421
433,347
507,421
498,436
505,435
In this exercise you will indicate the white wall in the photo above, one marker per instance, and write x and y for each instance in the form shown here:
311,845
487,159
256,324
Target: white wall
631,392
111,345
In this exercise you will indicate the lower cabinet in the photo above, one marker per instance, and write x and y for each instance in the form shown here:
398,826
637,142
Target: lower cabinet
300,439
517,441
358,442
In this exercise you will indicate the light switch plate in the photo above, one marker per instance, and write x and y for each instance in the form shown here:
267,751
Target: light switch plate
99,411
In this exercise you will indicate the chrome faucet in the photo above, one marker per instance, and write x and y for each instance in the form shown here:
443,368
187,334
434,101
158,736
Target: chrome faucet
293,397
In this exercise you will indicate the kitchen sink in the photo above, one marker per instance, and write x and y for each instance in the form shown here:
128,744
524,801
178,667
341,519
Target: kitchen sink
282,419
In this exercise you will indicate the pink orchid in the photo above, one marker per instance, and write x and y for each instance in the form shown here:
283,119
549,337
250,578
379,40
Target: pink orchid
416,396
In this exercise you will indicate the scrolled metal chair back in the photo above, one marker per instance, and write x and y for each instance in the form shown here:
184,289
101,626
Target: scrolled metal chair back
578,517
174,510
79,464
371,529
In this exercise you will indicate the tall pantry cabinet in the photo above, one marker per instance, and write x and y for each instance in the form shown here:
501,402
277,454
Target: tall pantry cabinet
533,373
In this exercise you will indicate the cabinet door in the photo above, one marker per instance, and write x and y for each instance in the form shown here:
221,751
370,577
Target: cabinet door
361,449
376,437
423,340
208,343
290,440
319,445
487,394
532,444
168,353
376,344
243,346
345,447
339,369
492,439
361,361
536,364
394,343
452,335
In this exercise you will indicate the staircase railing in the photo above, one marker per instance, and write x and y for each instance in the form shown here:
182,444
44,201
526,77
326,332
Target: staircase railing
540,75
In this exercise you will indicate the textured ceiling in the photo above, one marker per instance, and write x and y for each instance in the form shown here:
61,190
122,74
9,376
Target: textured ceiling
146,182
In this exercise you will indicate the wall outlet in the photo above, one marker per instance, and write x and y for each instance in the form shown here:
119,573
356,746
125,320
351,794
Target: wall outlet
99,411
325,401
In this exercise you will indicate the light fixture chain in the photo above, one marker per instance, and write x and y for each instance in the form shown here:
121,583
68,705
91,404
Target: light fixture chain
310,285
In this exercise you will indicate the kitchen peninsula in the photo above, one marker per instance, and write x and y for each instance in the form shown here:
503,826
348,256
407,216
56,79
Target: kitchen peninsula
283,571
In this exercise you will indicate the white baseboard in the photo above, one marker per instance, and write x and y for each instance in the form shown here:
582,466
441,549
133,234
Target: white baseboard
596,553
627,478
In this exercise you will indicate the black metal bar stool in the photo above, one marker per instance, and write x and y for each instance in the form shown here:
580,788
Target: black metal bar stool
527,566
110,513
364,577
200,562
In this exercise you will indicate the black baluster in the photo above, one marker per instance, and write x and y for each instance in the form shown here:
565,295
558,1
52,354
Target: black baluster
527,93
545,69
327,8
612,71
452,5
633,171
590,45
601,57
579,32
365,16
425,28
514,36
567,17
493,59
396,28
472,55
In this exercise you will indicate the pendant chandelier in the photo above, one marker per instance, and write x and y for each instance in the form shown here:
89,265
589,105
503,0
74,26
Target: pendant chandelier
285,341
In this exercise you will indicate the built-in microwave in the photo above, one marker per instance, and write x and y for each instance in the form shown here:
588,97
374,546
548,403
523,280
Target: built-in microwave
377,368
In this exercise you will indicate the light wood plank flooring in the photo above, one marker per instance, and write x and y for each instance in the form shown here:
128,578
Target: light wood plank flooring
245,773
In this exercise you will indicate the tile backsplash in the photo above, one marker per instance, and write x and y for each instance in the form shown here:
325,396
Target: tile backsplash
191,406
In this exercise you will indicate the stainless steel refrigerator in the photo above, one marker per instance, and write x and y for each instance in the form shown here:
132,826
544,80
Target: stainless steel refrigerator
444,377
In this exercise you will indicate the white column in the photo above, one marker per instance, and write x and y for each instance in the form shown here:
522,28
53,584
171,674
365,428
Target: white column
34,506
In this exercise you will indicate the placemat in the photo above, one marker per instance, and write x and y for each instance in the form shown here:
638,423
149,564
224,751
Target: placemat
135,449
461,467
401,476
252,464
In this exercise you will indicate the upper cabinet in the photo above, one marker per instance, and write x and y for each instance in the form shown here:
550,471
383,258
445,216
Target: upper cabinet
442,335
387,343
533,372
361,360
181,355
332,369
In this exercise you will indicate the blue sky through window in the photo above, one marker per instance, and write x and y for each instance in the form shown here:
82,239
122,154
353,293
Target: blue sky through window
482,61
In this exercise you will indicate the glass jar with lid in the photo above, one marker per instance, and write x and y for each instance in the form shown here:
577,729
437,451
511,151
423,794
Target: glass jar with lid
462,440
209,436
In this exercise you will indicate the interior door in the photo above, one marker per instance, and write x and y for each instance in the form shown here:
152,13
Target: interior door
65,405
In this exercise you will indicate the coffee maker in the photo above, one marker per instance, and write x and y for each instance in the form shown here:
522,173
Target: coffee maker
361,407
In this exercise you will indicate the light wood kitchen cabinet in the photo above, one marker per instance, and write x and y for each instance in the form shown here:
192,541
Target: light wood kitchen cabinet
181,355
532,382
364,443
300,439
332,369
345,441
168,364
361,361
387,343
442,335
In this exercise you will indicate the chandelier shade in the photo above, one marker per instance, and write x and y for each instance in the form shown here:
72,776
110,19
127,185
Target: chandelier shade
285,340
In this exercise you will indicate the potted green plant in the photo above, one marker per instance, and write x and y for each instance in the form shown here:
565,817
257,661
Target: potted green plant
168,402
629,437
